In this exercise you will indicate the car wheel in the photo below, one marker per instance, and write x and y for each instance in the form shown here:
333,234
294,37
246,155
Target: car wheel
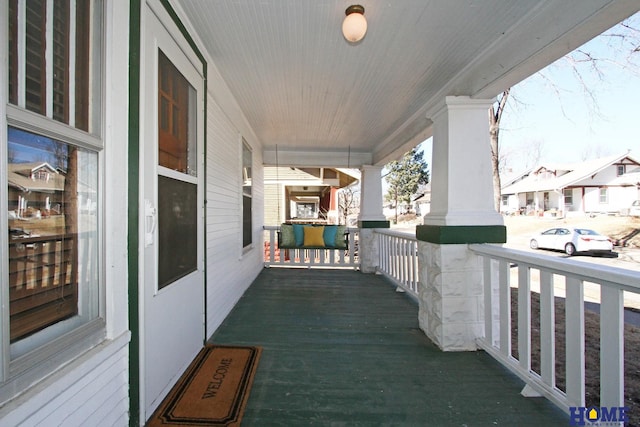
533,244
569,249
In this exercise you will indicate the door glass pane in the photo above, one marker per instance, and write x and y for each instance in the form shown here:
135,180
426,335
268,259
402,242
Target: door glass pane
177,229
176,130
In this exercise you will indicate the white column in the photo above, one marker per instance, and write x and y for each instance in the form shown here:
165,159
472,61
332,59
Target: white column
462,212
371,193
371,217
462,177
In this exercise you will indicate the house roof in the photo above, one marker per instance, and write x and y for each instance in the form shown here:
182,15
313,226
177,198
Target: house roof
567,174
20,176
304,89
511,178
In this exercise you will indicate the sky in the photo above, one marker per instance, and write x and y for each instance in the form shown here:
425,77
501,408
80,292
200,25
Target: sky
549,110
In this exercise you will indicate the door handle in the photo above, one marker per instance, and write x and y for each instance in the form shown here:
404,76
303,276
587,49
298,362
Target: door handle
149,222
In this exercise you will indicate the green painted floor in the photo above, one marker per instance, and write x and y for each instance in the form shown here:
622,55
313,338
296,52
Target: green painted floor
342,348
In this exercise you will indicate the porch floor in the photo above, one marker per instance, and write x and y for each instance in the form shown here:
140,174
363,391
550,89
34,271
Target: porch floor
343,348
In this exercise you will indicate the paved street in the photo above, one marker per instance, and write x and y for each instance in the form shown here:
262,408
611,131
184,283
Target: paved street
628,258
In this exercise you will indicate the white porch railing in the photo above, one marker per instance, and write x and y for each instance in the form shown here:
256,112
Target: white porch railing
399,258
274,256
506,269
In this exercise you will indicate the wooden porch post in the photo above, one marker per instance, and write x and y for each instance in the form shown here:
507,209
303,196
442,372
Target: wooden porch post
371,217
462,212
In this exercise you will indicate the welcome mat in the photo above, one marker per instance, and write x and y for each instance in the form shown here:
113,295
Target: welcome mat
213,391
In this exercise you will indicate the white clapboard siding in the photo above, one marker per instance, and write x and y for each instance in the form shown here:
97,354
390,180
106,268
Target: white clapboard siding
92,391
229,270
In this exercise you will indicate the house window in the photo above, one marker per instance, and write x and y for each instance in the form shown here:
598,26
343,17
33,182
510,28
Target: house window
529,199
568,196
621,169
505,200
604,195
40,175
307,210
247,196
53,148
43,77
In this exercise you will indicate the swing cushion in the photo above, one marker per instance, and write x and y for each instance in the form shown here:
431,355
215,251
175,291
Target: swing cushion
313,236
298,233
329,235
287,236
296,236
341,237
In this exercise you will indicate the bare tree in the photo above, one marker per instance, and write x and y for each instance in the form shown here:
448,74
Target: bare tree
622,40
348,203
495,115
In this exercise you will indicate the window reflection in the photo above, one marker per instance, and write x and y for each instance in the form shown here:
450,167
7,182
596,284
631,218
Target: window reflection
52,217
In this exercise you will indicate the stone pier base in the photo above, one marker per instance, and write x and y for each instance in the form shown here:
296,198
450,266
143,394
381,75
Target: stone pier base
451,296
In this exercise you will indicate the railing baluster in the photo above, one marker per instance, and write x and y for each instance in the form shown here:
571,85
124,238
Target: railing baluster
547,329
402,260
574,307
611,347
272,249
524,317
488,300
505,308
394,256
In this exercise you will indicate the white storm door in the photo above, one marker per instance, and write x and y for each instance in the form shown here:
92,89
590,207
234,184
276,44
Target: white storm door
172,294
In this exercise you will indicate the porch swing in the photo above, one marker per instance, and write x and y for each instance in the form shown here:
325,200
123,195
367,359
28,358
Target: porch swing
310,236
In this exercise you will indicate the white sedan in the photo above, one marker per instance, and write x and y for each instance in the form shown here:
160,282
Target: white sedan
571,241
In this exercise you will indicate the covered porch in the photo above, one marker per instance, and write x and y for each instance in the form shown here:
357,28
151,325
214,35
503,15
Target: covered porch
271,84
344,348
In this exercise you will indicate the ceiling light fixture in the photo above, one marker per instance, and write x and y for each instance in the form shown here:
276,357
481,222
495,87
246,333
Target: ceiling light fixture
354,26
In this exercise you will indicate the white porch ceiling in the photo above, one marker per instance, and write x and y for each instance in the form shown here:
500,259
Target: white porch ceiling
303,88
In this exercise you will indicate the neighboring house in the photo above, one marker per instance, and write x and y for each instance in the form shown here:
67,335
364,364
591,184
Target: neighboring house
34,189
422,202
604,185
304,194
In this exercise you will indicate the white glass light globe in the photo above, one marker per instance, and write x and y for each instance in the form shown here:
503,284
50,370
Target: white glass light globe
354,27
